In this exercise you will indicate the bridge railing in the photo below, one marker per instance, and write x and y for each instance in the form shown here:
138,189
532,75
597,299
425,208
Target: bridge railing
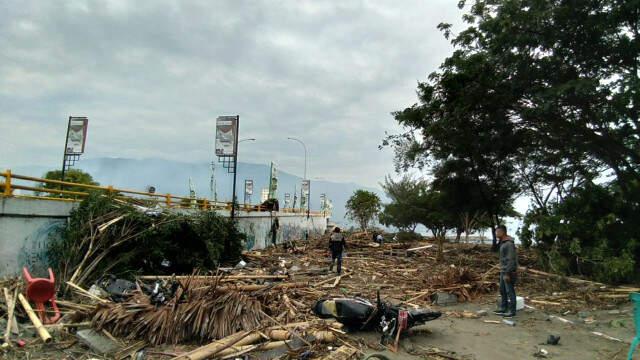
36,186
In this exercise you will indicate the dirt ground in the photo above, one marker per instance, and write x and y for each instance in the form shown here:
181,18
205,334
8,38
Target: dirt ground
475,339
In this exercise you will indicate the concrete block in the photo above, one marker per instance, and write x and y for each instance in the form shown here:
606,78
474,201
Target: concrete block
445,299
97,342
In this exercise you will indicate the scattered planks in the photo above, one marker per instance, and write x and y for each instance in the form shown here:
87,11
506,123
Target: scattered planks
11,305
215,347
602,335
87,294
556,276
335,280
245,341
214,278
40,329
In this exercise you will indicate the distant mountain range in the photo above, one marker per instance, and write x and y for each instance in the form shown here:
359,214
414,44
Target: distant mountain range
173,177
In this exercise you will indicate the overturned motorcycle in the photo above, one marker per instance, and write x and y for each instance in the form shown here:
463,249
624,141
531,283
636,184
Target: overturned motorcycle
361,314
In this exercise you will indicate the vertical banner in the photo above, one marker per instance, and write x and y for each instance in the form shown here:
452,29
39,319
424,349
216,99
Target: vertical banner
248,191
273,182
226,135
76,135
304,199
287,200
265,195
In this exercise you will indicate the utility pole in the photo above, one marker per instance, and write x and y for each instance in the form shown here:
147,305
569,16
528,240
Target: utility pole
235,168
212,183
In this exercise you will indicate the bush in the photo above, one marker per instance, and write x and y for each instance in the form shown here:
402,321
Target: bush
164,244
591,233
408,236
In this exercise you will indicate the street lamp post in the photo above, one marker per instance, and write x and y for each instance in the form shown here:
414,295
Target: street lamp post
305,173
235,165
305,154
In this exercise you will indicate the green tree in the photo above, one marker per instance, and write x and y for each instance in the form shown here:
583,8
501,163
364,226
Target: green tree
71,175
588,233
400,211
363,207
433,212
539,98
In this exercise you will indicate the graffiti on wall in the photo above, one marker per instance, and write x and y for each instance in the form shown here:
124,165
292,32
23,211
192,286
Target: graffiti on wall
290,232
251,237
33,253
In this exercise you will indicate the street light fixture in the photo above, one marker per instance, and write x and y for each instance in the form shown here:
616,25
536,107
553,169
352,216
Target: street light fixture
305,173
305,154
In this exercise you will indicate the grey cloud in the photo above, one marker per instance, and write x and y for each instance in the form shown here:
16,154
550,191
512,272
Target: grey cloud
153,75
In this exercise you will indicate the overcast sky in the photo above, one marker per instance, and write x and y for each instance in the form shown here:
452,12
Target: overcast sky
152,76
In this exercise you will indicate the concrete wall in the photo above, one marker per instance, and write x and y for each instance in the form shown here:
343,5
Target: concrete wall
26,224
257,227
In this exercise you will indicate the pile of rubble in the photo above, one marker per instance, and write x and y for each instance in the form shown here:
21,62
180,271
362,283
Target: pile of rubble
264,306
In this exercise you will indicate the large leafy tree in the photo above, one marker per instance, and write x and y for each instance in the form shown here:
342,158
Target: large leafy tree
538,98
571,68
455,129
72,175
401,210
363,207
433,212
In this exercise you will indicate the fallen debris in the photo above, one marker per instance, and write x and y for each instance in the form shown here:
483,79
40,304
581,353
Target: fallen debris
193,314
553,340
342,353
97,342
42,332
11,304
596,333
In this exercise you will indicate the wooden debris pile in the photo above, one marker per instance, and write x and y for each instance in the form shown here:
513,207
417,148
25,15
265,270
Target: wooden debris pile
461,281
194,314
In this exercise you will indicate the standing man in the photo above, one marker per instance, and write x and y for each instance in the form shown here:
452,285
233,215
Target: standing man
337,244
275,225
508,273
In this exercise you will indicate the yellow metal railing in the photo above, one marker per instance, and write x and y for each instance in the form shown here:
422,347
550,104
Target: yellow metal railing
138,197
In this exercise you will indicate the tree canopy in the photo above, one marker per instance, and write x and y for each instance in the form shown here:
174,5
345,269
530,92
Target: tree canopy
400,211
538,98
362,207
72,175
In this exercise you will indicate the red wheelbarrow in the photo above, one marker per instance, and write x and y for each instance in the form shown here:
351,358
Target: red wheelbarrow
41,291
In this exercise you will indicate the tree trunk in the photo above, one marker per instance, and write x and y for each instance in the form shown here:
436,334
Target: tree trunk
494,243
439,237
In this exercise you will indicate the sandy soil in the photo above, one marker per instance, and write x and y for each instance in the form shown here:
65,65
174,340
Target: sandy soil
475,339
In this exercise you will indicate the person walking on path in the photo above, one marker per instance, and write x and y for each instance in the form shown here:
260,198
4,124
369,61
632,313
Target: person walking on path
508,273
337,245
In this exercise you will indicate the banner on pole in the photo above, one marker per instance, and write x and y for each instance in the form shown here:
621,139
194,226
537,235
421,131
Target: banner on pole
77,135
248,187
226,135
305,186
273,181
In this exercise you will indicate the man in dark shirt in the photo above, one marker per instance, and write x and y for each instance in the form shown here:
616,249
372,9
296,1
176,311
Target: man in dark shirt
337,244
508,273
